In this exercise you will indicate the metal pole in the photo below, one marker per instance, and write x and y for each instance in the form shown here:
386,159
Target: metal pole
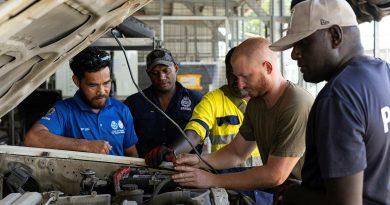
11,118
186,42
272,22
227,26
376,39
162,30
161,20
281,34
242,28
214,48
227,34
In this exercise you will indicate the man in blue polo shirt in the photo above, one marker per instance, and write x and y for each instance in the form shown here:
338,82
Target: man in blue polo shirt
91,121
155,132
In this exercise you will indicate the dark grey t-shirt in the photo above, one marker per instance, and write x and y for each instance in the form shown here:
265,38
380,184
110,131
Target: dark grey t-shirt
349,130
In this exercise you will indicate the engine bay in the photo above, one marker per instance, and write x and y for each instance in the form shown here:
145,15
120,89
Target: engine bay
45,176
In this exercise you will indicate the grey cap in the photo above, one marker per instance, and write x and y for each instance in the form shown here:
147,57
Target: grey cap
159,56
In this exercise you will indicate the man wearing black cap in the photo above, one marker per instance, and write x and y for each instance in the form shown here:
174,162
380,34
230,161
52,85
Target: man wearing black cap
155,132
217,117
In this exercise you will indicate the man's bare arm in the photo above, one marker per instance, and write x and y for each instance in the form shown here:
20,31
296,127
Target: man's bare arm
273,173
131,151
39,136
346,190
183,146
231,155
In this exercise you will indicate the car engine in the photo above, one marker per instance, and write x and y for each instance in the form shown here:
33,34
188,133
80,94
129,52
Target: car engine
44,176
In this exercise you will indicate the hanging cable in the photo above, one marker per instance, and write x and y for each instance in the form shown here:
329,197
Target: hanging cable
114,33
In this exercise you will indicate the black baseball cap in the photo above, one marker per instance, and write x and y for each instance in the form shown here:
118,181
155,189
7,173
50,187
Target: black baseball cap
159,56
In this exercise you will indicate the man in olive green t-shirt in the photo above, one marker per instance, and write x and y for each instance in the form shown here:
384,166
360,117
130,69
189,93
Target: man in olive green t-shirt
279,130
275,119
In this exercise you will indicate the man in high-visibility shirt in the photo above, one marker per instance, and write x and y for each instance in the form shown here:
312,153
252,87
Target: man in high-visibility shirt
220,113
218,116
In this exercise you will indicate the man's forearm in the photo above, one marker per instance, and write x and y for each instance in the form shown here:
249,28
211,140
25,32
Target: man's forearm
59,142
347,190
231,155
131,151
299,195
254,178
45,139
227,157
220,160
183,146
271,174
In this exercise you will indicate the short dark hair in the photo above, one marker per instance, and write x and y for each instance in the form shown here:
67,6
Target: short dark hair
228,65
91,59
295,2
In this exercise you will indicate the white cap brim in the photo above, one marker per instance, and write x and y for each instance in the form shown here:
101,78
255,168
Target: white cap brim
289,40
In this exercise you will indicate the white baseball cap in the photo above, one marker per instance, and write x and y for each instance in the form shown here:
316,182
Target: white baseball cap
309,16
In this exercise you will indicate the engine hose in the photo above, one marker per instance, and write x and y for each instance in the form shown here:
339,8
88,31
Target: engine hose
175,197
160,186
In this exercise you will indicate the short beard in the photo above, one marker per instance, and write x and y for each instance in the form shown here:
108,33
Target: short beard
92,105
241,93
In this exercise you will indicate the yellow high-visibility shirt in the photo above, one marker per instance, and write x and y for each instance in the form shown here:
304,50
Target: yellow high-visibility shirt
219,117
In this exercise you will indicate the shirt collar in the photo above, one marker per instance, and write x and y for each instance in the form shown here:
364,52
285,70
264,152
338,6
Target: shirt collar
80,102
180,92
181,89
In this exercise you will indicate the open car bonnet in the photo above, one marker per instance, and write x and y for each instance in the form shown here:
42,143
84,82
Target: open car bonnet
37,36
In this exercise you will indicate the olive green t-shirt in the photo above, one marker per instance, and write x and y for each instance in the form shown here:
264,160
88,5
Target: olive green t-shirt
280,130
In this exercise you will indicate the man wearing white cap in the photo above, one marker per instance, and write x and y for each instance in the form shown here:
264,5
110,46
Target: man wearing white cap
347,157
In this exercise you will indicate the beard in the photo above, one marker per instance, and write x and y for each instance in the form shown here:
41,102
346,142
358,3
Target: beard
96,102
241,93
262,88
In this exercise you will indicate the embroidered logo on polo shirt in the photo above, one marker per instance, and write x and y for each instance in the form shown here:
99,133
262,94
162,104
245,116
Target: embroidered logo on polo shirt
120,124
114,125
185,103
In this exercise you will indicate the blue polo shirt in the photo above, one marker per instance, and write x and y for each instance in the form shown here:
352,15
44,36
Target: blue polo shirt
74,118
152,128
